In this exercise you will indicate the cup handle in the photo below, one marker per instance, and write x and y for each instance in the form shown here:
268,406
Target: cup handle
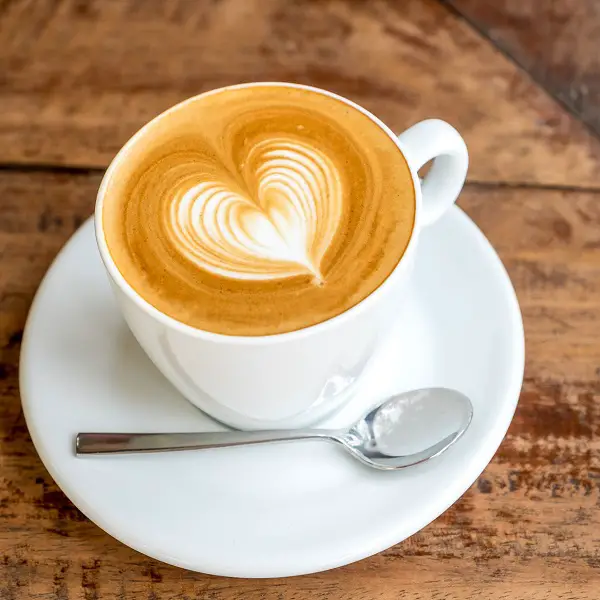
437,140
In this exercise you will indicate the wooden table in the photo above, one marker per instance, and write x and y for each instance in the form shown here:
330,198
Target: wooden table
520,79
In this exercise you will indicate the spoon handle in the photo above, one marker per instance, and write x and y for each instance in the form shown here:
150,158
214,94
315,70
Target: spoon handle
121,443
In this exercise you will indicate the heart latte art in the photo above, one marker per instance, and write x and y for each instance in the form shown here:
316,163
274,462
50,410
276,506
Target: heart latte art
258,210
281,227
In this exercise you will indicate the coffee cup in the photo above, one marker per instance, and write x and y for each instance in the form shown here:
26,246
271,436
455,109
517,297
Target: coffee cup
270,364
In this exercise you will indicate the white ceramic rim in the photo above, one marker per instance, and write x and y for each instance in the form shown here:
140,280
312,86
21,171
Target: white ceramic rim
172,323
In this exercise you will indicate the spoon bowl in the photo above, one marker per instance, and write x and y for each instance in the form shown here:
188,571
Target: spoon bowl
404,430
409,428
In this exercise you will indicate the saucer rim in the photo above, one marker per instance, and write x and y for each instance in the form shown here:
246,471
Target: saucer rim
396,532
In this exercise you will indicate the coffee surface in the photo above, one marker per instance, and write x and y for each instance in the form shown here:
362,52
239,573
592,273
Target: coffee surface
258,210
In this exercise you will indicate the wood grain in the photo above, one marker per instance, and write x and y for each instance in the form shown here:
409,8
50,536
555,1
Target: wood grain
77,78
528,528
558,46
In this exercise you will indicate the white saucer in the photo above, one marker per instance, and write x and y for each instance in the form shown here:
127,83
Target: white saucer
272,510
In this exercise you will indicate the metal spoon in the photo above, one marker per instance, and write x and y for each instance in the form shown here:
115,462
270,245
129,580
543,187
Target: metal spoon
404,430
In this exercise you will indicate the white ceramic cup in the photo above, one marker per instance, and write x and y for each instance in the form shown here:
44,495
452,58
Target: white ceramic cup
291,379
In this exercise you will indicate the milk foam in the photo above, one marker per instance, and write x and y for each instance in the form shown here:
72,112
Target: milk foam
258,210
279,224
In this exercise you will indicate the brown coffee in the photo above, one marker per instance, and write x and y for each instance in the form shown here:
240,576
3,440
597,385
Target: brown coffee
258,210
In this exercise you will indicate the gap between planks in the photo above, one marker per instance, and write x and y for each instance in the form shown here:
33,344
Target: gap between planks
449,4
83,170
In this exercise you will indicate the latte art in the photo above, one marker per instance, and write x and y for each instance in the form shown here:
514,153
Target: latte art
258,210
278,226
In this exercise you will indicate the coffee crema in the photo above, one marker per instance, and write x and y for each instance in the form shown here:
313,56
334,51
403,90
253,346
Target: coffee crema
258,210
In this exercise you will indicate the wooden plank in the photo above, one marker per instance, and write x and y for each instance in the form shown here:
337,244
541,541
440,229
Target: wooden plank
78,78
529,527
558,45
